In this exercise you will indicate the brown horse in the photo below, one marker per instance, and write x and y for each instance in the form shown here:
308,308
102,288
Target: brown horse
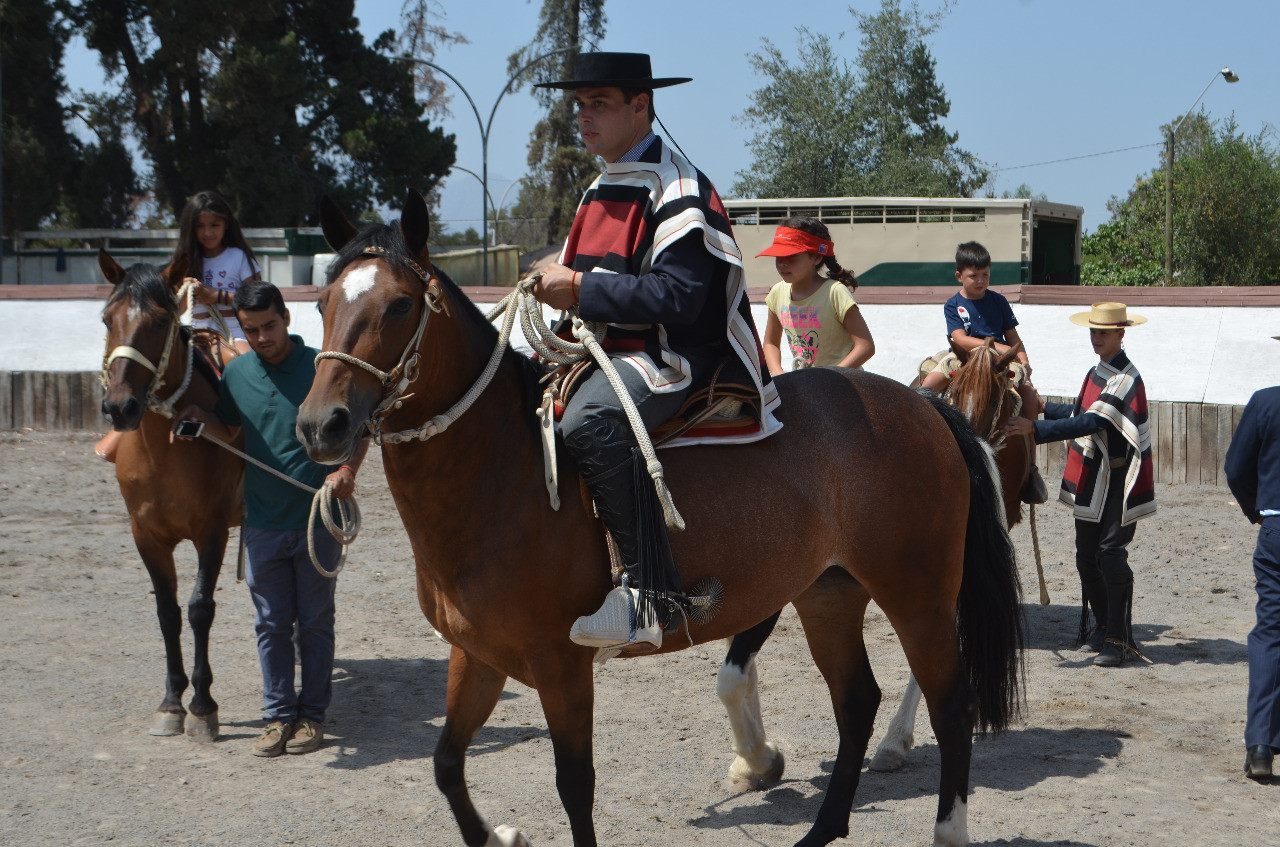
188,490
502,575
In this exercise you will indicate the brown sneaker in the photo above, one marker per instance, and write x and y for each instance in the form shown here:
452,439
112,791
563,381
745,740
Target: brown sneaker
307,735
273,738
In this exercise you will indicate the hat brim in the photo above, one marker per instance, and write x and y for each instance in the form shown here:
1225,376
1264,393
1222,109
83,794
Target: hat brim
644,83
1083,319
783,250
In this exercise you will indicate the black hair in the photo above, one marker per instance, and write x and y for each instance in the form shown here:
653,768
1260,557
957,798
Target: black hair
188,246
813,226
628,94
971,254
255,295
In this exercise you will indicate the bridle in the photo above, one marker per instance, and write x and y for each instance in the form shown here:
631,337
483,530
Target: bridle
397,380
152,401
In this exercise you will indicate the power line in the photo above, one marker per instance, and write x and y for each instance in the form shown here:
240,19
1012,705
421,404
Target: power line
1077,158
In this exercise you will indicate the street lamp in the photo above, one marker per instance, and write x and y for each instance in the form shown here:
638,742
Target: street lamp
484,135
497,214
484,188
1226,74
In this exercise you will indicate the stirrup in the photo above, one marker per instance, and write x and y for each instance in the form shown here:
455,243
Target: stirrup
614,624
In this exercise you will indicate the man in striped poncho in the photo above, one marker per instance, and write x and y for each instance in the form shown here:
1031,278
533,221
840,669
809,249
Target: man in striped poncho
1109,478
650,254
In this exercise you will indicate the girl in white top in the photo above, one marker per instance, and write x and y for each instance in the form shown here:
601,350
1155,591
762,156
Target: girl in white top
218,260
817,313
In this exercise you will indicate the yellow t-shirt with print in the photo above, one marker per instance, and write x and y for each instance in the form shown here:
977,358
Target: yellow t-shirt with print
814,326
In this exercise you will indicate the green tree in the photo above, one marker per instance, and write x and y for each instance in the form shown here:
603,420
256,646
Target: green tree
273,102
1226,214
560,168
830,127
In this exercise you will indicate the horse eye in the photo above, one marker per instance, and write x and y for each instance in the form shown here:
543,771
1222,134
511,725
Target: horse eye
401,306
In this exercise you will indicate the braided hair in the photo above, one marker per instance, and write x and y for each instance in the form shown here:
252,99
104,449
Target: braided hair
813,226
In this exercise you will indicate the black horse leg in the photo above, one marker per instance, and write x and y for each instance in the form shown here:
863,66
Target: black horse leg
158,560
856,700
474,689
200,612
832,612
758,762
953,727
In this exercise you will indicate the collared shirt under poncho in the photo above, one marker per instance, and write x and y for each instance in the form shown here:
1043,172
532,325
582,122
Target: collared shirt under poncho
660,266
1114,396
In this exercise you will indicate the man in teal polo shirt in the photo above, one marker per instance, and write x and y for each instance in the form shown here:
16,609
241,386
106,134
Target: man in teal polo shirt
259,396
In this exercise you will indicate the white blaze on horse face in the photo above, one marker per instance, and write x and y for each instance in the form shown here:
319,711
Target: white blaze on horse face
357,282
133,313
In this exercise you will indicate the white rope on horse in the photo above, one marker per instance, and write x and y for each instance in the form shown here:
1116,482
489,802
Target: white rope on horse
550,347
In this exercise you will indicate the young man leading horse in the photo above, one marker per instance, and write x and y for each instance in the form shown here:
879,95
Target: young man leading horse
651,254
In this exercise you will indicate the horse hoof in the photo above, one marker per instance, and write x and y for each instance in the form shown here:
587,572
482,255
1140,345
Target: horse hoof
743,777
887,760
203,728
507,836
167,723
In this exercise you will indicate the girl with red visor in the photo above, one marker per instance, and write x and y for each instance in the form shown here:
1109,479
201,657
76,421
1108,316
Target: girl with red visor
817,312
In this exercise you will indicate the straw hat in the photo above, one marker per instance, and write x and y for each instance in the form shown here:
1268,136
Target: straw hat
1107,316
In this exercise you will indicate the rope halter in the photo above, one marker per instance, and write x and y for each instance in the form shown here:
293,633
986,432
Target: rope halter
152,402
397,380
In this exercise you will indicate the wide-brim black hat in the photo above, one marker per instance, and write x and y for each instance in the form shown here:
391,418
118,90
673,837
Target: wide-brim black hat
613,70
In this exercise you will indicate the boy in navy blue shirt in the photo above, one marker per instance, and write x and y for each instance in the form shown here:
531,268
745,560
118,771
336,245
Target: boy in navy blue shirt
973,315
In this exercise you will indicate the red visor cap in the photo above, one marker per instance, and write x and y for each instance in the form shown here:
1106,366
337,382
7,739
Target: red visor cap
789,242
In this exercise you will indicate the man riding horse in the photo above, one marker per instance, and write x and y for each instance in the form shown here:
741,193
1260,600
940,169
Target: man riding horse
651,254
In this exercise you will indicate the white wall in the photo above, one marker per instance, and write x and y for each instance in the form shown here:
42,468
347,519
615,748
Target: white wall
1205,354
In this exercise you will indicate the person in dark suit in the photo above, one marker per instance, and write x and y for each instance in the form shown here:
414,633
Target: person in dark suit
1253,474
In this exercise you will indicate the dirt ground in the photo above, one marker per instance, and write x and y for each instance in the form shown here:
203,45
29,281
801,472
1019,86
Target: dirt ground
1144,754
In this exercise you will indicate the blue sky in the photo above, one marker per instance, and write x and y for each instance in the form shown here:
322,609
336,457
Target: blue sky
1029,81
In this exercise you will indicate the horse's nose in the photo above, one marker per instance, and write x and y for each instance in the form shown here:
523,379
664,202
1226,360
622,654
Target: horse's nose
124,416
336,427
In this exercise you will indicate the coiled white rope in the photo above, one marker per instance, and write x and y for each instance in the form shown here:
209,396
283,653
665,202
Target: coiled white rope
344,530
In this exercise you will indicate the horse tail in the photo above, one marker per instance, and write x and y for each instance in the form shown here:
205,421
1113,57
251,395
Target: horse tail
989,621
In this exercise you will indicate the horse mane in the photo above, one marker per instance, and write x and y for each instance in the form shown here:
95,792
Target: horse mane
388,238
143,286
973,386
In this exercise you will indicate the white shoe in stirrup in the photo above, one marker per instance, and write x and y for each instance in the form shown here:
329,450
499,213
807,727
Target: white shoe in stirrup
614,625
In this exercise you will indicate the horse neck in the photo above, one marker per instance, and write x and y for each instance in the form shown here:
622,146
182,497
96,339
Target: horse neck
491,451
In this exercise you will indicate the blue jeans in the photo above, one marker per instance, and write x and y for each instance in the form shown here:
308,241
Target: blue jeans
286,588
1262,722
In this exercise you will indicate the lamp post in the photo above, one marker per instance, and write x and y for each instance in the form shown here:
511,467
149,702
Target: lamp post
484,188
484,134
497,213
1226,74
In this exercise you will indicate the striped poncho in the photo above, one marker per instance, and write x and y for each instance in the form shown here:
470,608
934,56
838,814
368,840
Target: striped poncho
1113,391
628,219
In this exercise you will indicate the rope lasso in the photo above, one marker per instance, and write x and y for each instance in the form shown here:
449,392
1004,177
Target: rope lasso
344,530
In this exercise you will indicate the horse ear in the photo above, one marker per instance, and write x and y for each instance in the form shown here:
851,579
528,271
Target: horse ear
415,222
110,267
961,353
337,229
1009,356
175,272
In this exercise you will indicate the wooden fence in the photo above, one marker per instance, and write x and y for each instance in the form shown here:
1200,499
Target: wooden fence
1189,440
1188,443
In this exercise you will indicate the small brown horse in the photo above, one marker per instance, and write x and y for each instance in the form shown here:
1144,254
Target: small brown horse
503,576
983,391
188,490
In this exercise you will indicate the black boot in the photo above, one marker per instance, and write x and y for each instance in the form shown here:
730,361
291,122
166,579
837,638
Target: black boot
1092,631
626,502
1119,643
